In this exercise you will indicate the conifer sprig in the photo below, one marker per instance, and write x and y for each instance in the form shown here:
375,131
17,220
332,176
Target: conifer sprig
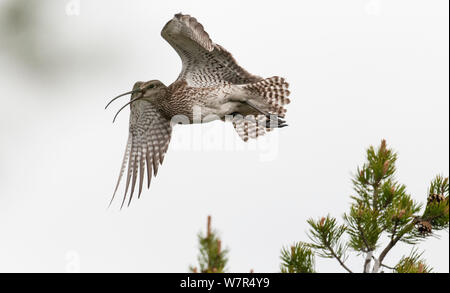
298,258
212,257
412,264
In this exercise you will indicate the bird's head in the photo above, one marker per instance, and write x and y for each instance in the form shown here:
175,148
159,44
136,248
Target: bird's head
149,91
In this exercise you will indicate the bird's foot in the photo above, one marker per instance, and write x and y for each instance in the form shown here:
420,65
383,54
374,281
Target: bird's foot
273,121
277,121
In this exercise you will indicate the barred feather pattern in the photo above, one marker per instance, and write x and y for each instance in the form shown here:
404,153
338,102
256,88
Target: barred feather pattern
190,27
149,137
250,126
209,75
204,62
275,92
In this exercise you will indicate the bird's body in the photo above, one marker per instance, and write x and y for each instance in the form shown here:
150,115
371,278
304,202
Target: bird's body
182,99
211,86
206,103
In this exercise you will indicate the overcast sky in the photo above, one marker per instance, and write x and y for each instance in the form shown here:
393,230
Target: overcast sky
359,71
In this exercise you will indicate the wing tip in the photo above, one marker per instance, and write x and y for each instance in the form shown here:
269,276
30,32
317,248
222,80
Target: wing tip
192,23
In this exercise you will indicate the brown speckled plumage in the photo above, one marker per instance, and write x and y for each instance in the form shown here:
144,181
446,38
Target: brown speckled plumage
211,81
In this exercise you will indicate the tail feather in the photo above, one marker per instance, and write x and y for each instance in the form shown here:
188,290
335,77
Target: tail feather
249,126
273,92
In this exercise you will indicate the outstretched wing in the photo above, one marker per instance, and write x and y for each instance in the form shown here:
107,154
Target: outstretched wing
204,63
148,140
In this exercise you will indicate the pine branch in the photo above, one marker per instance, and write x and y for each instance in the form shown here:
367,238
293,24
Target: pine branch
326,235
298,258
383,265
382,205
338,259
212,258
392,243
413,264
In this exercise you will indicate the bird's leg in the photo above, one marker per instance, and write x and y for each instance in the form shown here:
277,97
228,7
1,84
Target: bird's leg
280,122
235,114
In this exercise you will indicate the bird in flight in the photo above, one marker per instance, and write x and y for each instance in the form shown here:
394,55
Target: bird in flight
210,81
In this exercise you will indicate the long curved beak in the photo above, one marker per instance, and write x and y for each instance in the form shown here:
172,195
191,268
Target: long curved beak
123,107
124,94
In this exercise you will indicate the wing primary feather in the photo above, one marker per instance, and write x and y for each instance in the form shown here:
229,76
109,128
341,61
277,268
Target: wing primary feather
155,162
141,170
166,146
122,168
130,167
199,53
147,142
135,171
149,166
161,152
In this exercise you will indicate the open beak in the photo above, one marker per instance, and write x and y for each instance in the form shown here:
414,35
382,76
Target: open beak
124,94
132,100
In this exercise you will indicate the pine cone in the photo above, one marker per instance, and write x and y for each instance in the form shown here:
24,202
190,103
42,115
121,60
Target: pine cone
435,198
424,227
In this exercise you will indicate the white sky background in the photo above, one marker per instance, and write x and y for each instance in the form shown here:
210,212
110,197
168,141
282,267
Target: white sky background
359,71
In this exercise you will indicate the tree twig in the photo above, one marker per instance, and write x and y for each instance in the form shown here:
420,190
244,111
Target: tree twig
382,265
390,245
338,258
